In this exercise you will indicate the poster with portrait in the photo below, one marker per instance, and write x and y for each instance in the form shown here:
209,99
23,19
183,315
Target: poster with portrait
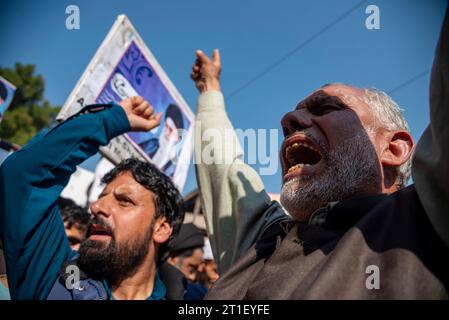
7,90
134,75
123,67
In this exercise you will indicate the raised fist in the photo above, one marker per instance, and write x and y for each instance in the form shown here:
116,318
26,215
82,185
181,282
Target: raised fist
140,114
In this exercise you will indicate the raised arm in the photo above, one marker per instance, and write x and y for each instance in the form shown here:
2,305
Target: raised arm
431,161
31,180
234,200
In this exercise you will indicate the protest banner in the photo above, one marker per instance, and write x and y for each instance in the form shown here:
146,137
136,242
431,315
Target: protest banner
123,66
78,187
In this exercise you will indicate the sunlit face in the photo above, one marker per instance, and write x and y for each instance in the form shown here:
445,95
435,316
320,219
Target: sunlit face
120,235
330,150
126,206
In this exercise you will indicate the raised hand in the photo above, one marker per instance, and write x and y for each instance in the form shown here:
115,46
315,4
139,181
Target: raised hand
140,114
206,72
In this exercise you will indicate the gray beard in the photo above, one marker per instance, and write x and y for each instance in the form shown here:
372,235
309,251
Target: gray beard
350,169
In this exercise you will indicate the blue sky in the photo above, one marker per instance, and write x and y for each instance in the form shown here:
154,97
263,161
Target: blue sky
251,36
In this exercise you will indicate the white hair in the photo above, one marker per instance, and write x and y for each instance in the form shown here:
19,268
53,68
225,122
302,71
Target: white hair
388,115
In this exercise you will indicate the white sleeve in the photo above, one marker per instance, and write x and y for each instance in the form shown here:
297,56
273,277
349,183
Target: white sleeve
235,204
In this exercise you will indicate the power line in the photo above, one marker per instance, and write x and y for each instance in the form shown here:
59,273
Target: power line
411,80
295,50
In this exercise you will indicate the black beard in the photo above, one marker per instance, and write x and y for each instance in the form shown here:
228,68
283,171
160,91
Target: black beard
113,261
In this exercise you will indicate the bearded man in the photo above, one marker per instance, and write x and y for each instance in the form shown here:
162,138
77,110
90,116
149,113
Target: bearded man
355,230
134,219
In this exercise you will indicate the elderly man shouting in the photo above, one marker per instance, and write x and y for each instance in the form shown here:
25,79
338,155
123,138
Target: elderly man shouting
354,230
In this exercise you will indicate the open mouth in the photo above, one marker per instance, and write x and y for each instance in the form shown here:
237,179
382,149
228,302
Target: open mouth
299,154
99,231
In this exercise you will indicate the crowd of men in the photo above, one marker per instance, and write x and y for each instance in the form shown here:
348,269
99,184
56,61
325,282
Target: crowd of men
347,208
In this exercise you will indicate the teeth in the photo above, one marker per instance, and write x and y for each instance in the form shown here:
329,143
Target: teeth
297,166
290,158
298,144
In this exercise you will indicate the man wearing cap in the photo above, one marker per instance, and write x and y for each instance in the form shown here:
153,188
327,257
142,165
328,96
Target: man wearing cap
186,253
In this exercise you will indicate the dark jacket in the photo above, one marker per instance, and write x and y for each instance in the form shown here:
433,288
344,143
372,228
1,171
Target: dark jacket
331,257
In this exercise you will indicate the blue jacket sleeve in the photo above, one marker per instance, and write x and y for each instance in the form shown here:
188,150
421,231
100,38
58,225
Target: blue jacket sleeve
31,180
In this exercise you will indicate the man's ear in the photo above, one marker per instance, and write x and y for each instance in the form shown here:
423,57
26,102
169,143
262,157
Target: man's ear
398,149
162,230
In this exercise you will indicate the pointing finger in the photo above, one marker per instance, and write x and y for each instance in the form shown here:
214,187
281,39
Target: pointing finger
216,56
202,57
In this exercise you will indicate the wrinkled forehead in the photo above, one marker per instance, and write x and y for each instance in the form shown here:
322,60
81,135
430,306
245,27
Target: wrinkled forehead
340,94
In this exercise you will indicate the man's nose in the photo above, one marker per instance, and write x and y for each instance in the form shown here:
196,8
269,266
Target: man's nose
100,207
296,120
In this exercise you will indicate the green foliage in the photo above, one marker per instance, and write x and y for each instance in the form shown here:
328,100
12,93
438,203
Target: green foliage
28,112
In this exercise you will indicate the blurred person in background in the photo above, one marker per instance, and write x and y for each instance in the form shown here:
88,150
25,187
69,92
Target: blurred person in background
209,275
186,253
76,221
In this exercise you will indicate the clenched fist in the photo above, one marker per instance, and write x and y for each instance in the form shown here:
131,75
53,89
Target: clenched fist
206,72
140,114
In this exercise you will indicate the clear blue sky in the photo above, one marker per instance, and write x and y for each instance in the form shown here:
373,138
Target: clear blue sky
251,35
